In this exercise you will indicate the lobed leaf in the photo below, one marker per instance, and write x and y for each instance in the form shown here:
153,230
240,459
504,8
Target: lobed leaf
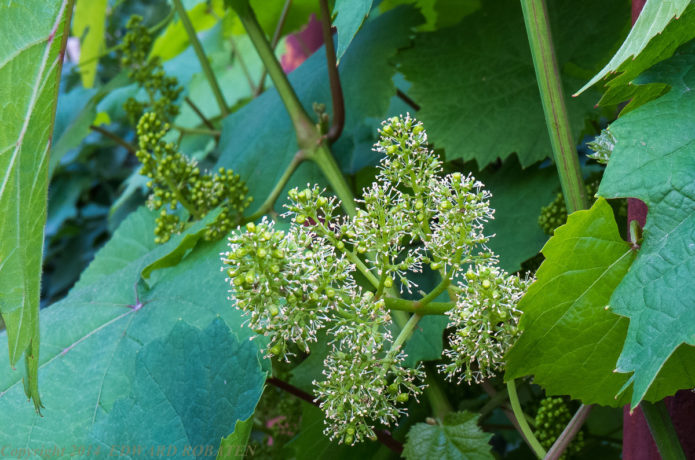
350,16
652,21
570,342
654,160
457,437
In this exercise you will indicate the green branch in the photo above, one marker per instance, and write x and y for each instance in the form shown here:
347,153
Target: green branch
663,432
416,306
307,135
550,86
200,53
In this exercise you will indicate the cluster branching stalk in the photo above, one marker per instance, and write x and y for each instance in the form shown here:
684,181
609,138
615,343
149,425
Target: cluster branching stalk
200,53
269,202
552,98
117,139
200,114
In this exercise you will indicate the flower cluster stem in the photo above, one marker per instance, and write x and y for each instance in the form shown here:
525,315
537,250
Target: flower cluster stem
552,98
200,53
526,431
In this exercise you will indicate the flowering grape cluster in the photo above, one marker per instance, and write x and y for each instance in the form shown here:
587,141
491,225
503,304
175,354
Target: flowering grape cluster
180,190
485,323
293,283
175,179
552,417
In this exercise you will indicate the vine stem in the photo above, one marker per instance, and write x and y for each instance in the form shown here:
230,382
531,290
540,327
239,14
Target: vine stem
198,112
200,53
333,75
570,431
662,430
557,121
273,44
307,135
526,431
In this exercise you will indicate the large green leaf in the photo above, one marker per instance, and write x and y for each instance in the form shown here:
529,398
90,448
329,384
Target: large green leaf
655,15
99,341
350,16
88,25
258,141
457,437
476,85
190,387
654,160
234,445
570,342
31,34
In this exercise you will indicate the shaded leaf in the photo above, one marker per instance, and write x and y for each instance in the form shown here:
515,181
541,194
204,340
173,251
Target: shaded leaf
88,25
476,85
517,198
91,340
457,437
189,389
31,33
350,16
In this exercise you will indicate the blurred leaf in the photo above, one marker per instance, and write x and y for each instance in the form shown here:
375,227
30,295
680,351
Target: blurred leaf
350,16
475,81
457,437
174,39
88,25
31,33
310,443
97,330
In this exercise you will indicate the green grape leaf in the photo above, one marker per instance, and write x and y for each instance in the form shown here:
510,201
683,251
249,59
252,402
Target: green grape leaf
88,25
517,198
350,16
570,342
190,387
259,127
653,160
111,328
476,80
32,34
457,437
655,15
233,447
